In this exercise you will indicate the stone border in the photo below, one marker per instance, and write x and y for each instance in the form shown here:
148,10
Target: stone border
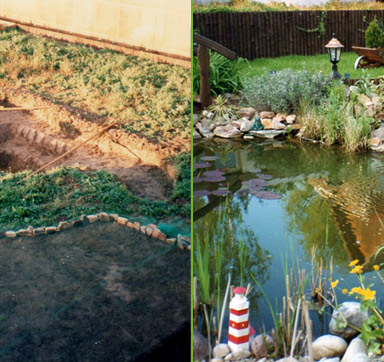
151,230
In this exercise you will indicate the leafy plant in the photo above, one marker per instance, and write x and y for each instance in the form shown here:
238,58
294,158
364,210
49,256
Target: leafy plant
283,91
221,108
374,35
224,74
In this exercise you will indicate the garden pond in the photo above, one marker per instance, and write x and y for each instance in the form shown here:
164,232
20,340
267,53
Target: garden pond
290,205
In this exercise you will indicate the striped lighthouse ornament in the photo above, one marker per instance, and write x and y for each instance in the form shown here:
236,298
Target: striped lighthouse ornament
238,334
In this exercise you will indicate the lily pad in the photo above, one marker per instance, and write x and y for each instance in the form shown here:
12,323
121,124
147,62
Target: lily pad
255,170
209,158
196,180
201,165
264,177
214,179
215,173
267,195
221,192
201,193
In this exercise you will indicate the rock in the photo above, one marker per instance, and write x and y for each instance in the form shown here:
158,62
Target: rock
92,218
364,99
379,133
195,118
122,220
237,355
260,345
356,347
50,229
334,359
370,110
39,231
236,123
207,124
200,346
170,240
248,137
63,225
227,131
268,133
104,217
221,121
267,123
157,234
216,360
25,232
143,229
354,89
277,125
328,346
354,316
206,133
149,231
267,115
379,148
375,141
196,135
136,225
130,224
11,234
114,217
287,359
246,126
221,350
291,119
248,112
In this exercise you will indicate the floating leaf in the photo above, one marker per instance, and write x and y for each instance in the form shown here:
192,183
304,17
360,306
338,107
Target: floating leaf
215,173
209,158
196,180
264,177
221,192
201,165
214,179
201,193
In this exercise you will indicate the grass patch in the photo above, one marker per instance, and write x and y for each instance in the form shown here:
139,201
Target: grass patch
147,98
248,5
67,193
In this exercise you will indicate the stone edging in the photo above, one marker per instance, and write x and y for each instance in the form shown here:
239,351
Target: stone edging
151,230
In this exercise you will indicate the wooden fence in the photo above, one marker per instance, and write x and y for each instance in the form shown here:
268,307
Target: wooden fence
157,28
273,34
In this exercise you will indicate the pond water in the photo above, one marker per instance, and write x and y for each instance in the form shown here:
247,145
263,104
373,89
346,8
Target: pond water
97,293
290,203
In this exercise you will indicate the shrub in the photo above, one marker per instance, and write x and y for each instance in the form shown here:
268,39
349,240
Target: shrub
283,91
224,74
374,35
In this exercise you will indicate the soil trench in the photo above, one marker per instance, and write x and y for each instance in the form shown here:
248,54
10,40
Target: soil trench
28,142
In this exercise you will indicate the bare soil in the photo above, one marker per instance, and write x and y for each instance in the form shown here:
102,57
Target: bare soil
95,293
31,139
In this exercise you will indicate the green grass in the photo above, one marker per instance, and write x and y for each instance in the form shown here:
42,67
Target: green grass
248,5
150,99
67,193
315,63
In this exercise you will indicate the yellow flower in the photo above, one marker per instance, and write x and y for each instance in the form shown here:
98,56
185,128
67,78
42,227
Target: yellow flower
345,291
368,294
357,290
358,269
333,284
353,262
376,267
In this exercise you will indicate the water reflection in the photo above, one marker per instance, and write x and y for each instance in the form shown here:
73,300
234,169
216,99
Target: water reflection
331,202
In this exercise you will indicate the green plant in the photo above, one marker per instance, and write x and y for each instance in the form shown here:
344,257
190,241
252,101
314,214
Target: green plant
221,108
374,35
224,74
283,91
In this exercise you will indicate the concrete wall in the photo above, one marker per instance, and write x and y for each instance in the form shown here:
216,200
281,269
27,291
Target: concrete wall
157,25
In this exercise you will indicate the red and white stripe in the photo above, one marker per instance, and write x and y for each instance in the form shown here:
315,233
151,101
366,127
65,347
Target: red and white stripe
238,333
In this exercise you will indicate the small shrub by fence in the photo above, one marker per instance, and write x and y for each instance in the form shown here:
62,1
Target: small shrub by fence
273,34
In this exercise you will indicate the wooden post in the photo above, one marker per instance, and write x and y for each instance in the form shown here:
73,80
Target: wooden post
205,88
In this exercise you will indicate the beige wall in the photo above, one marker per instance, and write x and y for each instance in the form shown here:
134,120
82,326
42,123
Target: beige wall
157,25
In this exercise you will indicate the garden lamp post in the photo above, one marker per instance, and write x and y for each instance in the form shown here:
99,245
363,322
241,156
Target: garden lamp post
334,52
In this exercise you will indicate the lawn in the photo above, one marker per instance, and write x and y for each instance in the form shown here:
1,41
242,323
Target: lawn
147,98
316,63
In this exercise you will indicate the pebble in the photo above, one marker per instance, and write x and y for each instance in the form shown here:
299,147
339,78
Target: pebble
221,350
328,346
11,234
355,351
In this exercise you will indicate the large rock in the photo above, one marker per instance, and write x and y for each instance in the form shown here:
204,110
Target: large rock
200,346
356,351
260,345
379,133
237,355
207,124
221,350
291,118
196,135
246,112
328,346
267,115
268,133
267,123
227,131
206,133
277,124
355,317
245,125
